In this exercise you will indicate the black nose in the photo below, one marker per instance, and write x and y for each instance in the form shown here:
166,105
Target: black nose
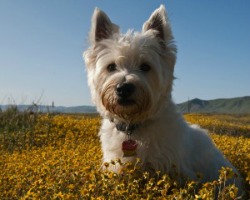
125,90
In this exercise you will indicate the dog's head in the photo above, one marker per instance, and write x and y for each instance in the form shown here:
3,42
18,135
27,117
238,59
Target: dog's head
130,75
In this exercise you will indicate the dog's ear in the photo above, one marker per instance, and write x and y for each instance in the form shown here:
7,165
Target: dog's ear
158,22
101,27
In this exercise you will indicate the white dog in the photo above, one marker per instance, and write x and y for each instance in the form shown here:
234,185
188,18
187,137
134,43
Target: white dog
130,76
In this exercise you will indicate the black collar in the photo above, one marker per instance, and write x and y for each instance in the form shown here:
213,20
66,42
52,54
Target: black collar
126,128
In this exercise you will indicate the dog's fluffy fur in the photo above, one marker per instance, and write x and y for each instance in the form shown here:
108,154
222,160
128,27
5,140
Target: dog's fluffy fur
145,60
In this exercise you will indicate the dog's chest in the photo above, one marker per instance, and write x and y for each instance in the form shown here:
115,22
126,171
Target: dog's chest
146,144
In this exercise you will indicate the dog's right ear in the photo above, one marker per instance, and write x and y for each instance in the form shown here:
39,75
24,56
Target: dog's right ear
102,27
159,23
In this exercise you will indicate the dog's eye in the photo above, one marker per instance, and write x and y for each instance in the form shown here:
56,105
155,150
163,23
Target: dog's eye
145,67
111,67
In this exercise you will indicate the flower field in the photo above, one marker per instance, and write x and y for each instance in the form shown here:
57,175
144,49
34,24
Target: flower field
46,156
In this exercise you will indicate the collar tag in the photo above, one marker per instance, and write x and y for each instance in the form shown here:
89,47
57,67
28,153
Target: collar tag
129,148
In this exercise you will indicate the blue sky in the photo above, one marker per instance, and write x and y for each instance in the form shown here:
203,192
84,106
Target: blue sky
41,45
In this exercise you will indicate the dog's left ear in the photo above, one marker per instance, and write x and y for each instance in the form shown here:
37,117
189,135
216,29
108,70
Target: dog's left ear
102,27
159,23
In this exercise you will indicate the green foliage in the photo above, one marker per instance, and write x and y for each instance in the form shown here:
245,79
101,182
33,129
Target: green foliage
16,128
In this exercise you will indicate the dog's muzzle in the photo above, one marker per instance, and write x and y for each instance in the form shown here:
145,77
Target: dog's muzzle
128,102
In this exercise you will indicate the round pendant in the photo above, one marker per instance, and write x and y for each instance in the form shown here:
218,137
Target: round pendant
129,148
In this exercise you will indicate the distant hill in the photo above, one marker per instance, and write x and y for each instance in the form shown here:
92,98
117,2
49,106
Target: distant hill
76,109
238,105
56,109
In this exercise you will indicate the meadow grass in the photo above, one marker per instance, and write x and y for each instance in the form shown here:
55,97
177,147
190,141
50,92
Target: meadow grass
47,156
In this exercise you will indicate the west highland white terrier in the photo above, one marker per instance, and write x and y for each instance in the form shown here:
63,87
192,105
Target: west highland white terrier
130,77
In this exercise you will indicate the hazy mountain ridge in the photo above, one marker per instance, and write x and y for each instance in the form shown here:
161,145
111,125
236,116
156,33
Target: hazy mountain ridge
238,105
56,109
